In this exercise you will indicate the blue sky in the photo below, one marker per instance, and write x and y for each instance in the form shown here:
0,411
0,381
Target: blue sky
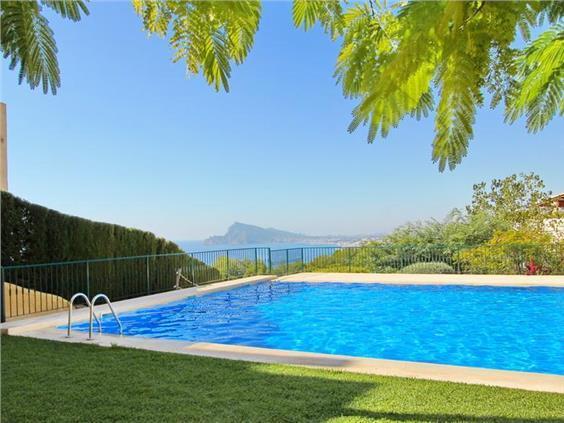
129,139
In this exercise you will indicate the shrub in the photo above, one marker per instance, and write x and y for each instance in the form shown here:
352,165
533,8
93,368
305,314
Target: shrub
35,234
238,268
428,267
509,252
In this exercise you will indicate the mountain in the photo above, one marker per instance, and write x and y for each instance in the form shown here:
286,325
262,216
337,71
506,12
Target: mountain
241,233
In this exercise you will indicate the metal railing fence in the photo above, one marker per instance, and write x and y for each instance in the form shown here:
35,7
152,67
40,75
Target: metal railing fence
510,259
30,289
36,288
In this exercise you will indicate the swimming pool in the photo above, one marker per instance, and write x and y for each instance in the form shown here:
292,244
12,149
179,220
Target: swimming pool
492,327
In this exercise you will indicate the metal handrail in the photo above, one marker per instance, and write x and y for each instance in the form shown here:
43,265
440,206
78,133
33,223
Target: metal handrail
179,276
105,298
71,301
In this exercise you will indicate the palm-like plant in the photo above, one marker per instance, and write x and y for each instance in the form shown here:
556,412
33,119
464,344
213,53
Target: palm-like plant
28,42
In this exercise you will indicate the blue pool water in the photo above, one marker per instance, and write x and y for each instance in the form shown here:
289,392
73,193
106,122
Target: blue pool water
500,328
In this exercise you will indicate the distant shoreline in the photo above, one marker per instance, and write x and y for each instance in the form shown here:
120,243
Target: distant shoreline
239,234
199,245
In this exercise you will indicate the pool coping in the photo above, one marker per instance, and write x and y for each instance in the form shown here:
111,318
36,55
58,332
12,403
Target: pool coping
44,327
549,281
397,368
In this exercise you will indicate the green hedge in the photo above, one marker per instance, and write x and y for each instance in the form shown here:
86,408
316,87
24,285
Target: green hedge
35,234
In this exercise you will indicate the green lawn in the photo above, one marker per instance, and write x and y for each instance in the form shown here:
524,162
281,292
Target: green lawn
51,381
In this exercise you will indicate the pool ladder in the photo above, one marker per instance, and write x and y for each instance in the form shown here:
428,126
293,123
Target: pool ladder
92,315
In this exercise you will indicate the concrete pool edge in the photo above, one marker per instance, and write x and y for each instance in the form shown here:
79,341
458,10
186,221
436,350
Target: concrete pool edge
44,327
549,281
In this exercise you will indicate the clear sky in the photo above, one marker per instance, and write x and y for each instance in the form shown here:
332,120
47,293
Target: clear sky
129,139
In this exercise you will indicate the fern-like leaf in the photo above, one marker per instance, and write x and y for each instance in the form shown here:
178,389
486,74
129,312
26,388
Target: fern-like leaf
540,85
69,9
329,13
207,35
28,41
455,112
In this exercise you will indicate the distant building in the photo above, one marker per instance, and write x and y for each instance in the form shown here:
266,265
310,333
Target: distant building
555,226
558,201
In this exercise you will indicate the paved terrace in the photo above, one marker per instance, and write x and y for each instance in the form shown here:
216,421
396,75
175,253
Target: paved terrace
45,327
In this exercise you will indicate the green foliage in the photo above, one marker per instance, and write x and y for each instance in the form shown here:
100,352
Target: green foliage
35,234
394,59
206,35
432,267
28,41
503,228
509,252
234,268
499,232
329,13
135,385
287,269
540,80
517,200
455,230
391,60
377,258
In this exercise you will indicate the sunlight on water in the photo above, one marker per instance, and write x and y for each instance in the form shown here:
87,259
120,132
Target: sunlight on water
501,328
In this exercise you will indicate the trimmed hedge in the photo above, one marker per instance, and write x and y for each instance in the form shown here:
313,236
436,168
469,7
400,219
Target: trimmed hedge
35,234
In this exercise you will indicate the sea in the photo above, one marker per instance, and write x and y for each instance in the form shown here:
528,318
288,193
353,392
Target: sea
200,245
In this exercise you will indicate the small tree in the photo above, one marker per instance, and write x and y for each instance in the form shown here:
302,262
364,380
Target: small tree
516,202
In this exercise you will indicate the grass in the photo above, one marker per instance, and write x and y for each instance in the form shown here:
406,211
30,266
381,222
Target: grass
52,381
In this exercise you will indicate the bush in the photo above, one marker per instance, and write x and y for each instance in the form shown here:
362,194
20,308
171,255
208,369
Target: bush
436,267
238,268
510,252
35,234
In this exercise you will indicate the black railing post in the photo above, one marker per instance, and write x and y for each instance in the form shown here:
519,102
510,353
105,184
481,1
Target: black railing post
88,279
227,263
191,261
2,299
287,261
303,264
148,275
256,261
269,261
